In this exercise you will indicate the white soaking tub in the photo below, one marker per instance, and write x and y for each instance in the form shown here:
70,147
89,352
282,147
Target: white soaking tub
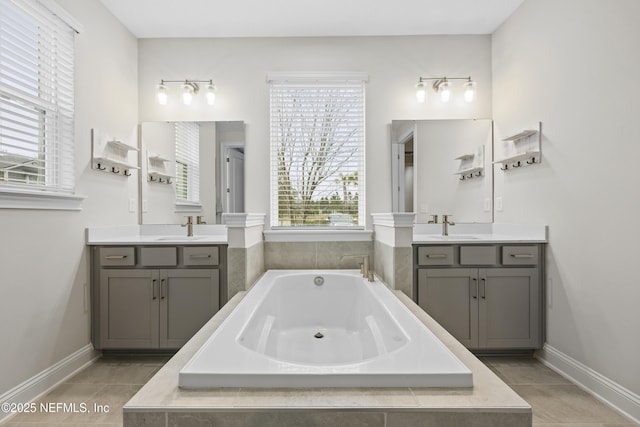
329,328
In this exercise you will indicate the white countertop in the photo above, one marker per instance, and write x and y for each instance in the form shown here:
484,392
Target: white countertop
472,233
157,234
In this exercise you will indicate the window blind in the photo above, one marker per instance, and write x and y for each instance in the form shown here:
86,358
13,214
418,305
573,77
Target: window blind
36,99
317,152
187,139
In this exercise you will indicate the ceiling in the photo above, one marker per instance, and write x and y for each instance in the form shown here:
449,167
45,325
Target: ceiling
309,18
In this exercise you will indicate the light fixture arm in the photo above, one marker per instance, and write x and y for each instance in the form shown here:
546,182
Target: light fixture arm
438,80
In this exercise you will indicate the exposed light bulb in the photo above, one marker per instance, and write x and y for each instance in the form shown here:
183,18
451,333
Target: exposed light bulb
211,94
187,94
470,91
421,93
444,88
161,94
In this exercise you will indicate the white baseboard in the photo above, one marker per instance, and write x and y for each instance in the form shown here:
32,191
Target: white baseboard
592,382
44,381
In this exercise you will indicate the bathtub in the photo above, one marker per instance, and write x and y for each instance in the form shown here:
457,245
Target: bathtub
329,328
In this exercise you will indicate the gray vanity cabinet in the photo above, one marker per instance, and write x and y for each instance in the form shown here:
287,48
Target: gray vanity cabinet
188,299
139,306
128,309
509,308
449,296
493,307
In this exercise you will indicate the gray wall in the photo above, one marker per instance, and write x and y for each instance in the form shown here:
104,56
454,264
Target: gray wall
239,68
44,307
573,65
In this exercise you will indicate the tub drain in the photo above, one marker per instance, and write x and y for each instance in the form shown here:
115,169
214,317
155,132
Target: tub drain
319,335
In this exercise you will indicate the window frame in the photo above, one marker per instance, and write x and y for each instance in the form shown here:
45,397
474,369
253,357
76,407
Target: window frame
351,81
50,18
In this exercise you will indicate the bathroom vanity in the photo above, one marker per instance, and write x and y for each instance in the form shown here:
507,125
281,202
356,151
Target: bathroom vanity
486,290
154,292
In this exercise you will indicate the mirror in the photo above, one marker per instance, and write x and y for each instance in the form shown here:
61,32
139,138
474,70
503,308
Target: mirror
443,167
221,181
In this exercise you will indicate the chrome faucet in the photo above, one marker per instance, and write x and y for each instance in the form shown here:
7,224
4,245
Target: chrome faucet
189,225
364,267
445,224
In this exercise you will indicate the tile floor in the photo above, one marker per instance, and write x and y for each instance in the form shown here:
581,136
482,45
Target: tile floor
108,382
112,381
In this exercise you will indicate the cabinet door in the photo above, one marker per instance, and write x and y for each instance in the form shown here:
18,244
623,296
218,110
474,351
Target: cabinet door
509,308
450,296
128,309
188,299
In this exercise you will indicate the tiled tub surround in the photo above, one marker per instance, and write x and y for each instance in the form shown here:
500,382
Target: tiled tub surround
490,402
246,265
392,249
245,251
322,328
315,253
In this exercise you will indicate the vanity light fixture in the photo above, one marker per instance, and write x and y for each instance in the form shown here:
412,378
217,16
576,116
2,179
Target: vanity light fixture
211,94
469,90
442,85
162,94
189,88
421,93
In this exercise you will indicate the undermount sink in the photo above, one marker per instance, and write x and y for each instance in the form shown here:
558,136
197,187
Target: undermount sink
180,238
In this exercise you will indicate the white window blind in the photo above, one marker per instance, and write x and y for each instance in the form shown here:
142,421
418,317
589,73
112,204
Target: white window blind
317,152
36,99
187,136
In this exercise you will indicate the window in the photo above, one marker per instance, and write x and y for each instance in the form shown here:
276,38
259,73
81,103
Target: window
317,151
187,136
36,99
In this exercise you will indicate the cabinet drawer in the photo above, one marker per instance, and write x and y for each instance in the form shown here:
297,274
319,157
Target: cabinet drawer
478,255
435,255
200,255
520,255
158,256
117,256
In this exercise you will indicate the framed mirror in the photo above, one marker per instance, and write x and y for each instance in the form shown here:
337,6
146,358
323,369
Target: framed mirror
190,168
443,167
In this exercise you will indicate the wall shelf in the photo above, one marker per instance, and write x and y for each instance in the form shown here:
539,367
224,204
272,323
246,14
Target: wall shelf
157,170
523,148
471,164
111,155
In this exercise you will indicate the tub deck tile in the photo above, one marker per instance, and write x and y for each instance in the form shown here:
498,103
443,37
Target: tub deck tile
490,402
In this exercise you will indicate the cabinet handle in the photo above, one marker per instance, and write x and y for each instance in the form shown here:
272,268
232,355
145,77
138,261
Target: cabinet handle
522,255
475,288
202,256
153,285
163,290
483,288
115,256
436,255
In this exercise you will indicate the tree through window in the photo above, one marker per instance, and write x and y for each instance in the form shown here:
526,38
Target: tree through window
317,152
